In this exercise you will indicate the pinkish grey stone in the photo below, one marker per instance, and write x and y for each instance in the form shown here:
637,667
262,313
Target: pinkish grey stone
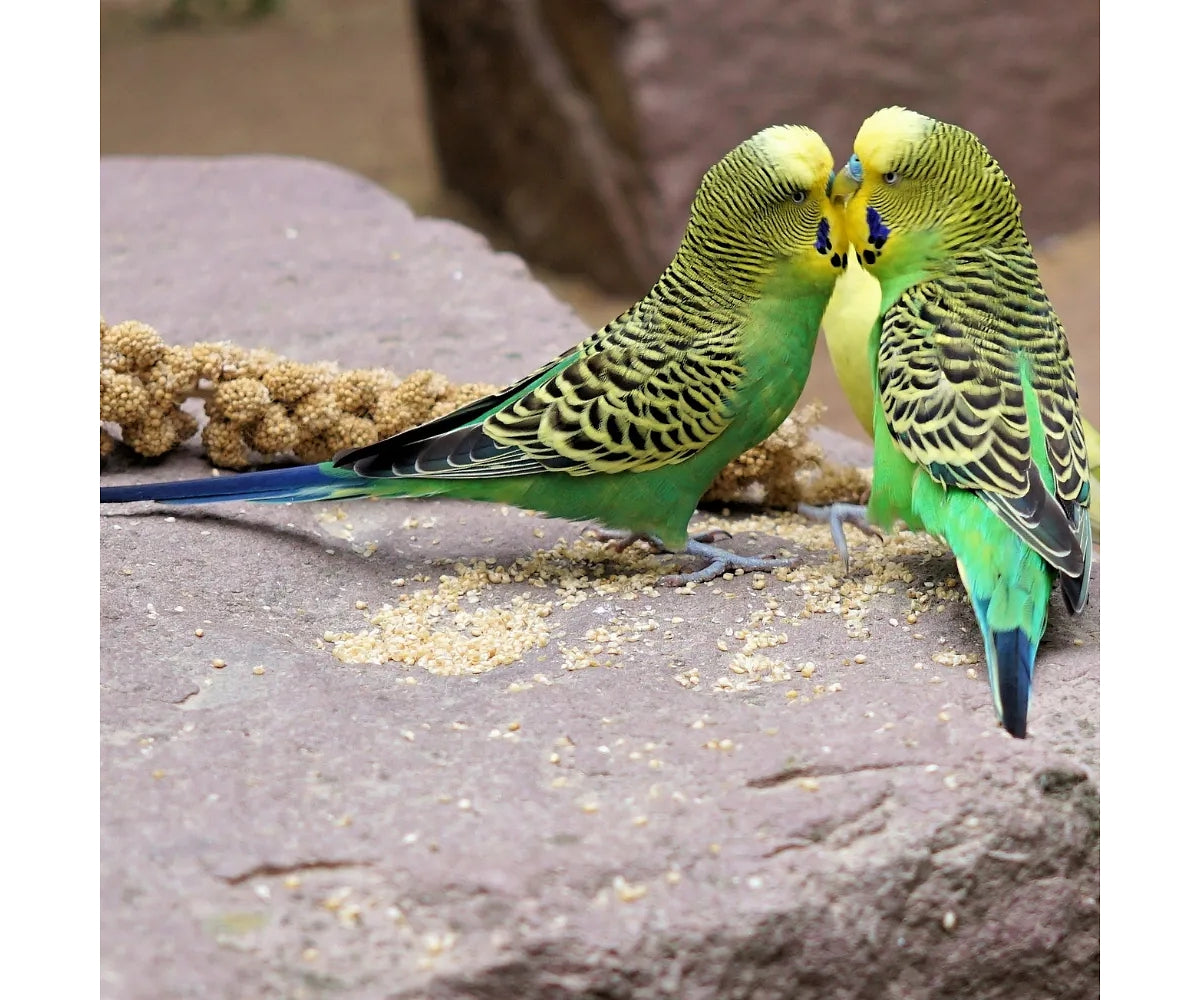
330,830
584,127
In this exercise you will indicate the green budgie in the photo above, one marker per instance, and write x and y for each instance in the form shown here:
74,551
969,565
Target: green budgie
849,317
978,435
630,426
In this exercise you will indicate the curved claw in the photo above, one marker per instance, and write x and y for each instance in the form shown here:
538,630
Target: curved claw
720,561
838,515
621,540
711,536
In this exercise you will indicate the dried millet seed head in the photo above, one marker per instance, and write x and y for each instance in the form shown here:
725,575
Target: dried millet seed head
225,445
241,401
276,407
123,397
129,346
275,432
289,381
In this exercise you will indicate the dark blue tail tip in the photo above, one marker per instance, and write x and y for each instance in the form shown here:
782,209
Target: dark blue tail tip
1014,722
1014,677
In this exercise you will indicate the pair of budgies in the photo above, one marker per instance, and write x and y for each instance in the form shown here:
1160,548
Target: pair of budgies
976,425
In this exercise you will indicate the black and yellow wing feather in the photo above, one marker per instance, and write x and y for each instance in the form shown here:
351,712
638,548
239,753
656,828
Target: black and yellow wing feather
957,355
652,388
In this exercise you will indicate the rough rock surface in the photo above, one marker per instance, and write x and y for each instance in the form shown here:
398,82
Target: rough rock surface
585,126
320,828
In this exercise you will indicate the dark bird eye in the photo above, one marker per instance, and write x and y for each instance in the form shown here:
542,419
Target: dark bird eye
891,177
799,196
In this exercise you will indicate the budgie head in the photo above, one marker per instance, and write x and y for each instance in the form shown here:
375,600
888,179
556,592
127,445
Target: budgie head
917,188
764,205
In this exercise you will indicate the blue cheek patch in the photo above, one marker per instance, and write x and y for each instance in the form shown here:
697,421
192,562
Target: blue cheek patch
877,232
823,243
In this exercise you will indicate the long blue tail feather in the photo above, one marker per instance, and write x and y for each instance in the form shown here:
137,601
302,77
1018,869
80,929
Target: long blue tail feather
1010,654
303,482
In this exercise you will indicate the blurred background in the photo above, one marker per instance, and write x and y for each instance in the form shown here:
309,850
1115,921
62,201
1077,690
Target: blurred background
575,131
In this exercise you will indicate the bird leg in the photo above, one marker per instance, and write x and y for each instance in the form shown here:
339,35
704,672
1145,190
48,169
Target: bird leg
839,514
720,561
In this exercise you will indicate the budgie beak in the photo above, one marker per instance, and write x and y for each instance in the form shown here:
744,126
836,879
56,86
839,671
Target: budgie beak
846,183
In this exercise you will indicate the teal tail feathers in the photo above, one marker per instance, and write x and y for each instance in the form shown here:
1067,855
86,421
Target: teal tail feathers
304,482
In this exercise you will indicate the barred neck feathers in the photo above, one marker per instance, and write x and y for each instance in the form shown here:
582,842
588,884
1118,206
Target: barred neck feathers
718,262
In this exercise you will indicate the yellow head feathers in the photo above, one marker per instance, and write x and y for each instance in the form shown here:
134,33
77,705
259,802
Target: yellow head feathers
889,135
796,152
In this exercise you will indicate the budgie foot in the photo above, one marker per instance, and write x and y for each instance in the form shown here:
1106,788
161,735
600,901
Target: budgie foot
623,539
838,515
720,561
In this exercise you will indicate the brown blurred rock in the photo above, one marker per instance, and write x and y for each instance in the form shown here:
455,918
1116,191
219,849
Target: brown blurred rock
584,126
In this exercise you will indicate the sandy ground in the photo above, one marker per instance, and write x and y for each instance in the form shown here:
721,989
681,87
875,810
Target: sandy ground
341,81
